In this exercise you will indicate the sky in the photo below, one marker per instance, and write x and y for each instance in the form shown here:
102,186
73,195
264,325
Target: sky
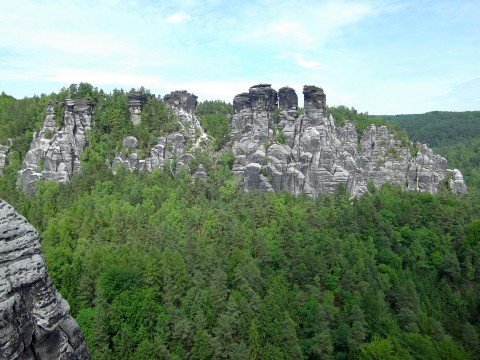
378,56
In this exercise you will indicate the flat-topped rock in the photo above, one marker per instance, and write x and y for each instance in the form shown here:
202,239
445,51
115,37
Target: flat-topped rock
263,98
287,99
181,100
136,102
314,98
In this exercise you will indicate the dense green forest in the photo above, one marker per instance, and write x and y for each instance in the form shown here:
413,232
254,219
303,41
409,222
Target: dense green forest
162,267
454,135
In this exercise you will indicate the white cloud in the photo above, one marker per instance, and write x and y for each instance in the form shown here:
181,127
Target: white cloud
178,18
317,23
309,64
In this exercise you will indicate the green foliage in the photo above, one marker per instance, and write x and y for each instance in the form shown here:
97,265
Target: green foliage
439,128
58,109
48,134
214,120
362,121
276,114
201,270
281,137
454,135
160,267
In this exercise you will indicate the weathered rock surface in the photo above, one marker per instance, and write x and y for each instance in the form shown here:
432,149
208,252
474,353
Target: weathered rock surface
55,152
308,154
3,156
136,101
276,149
456,182
34,320
175,148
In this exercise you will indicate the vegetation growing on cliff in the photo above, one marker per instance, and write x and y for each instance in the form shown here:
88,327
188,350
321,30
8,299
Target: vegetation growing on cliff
454,135
214,120
179,268
155,265
342,114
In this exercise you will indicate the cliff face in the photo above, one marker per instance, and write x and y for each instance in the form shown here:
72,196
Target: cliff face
277,150
34,320
55,152
176,145
3,156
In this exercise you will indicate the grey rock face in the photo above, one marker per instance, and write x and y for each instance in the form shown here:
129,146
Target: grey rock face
181,100
308,154
34,320
136,101
275,149
287,99
456,183
173,149
3,156
55,153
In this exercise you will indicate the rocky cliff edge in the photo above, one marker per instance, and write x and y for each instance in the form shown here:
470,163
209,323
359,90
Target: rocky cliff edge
34,320
278,149
275,147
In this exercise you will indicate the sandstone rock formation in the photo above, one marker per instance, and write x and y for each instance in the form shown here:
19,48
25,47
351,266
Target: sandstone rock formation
55,152
174,148
136,101
34,320
277,150
456,183
3,156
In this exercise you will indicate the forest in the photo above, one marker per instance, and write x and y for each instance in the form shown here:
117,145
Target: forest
454,135
163,266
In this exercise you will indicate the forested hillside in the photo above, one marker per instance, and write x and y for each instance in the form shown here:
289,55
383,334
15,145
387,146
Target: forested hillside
454,135
163,266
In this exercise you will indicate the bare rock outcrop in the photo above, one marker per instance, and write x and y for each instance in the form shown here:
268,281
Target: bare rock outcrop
54,153
173,149
3,156
277,150
456,182
34,320
136,101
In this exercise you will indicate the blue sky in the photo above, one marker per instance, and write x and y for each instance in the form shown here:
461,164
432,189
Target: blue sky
380,56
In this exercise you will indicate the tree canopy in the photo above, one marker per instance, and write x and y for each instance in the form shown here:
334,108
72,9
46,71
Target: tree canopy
156,266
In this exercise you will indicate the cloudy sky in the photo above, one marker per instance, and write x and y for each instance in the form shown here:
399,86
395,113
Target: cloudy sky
380,56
